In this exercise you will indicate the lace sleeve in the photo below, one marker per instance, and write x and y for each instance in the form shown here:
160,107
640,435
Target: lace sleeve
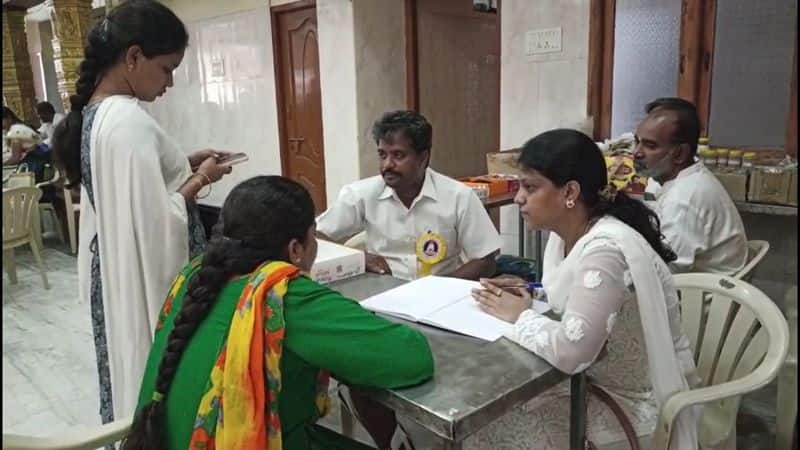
595,297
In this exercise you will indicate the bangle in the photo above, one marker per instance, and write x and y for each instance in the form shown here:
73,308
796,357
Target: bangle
199,197
208,180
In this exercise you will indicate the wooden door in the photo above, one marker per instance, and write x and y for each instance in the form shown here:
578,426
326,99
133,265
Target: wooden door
458,82
299,101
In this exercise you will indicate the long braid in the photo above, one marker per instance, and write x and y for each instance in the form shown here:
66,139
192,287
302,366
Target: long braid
67,135
146,23
224,259
285,213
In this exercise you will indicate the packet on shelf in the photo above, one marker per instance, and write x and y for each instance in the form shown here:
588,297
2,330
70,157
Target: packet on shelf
495,183
480,189
622,174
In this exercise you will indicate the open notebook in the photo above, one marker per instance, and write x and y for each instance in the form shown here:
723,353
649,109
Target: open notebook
445,303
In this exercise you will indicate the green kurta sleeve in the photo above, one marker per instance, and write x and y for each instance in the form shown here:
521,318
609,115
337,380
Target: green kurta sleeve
335,333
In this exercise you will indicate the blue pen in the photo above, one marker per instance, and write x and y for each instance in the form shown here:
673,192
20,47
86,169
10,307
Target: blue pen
535,288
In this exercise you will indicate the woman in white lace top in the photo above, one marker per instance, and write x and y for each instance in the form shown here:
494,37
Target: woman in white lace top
605,275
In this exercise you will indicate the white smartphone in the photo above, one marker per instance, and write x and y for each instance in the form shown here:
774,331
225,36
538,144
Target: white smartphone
232,159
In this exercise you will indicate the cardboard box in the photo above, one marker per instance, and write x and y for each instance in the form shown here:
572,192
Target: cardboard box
768,185
497,184
503,163
481,189
735,183
336,262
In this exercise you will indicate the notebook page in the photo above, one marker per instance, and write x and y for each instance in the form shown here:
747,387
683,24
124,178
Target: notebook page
421,297
466,317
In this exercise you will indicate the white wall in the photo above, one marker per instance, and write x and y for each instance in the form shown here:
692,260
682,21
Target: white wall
541,92
338,88
224,93
362,74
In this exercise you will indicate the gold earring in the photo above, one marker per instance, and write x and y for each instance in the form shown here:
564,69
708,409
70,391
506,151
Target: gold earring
570,204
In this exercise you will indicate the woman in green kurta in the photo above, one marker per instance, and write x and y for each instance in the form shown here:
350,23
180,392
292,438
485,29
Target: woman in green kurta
245,336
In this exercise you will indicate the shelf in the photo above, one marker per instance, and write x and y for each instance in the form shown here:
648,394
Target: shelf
773,210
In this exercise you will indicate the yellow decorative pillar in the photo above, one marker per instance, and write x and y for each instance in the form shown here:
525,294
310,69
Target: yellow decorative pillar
71,20
18,91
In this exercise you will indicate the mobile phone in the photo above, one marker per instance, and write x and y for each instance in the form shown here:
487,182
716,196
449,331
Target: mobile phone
232,159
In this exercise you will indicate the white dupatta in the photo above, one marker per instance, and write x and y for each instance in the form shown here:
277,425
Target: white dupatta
659,313
141,223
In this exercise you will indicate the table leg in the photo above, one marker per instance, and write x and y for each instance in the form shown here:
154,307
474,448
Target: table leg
539,254
521,232
577,415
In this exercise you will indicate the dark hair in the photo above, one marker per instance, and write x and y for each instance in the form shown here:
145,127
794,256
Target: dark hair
687,119
146,23
45,108
258,220
411,124
567,155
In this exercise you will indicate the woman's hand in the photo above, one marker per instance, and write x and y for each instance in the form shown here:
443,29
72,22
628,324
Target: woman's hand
197,158
211,169
500,302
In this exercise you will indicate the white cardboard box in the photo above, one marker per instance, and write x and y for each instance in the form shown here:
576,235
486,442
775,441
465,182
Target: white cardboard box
336,262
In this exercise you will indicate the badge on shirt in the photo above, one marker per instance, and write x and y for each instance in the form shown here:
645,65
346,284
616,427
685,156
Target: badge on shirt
431,249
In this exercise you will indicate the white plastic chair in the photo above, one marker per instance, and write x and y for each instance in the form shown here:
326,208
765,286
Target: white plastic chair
83,439
50,207
756,250
71,209
740,342
358,241
786,414
19,212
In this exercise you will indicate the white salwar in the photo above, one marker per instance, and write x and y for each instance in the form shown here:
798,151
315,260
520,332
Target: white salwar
612,287
141,222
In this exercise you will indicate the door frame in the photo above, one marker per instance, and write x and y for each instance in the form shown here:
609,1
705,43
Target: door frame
277,65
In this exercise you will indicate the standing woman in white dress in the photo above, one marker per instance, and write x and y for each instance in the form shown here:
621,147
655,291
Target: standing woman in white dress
139,223
605,275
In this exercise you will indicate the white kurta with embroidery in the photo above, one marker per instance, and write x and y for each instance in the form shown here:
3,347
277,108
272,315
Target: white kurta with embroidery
594,291
141,223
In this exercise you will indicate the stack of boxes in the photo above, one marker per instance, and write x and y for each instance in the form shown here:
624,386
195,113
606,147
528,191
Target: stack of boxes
756,177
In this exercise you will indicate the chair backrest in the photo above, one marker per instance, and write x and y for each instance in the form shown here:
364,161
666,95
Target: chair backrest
737,333
82,439
19,179
756,250
18,208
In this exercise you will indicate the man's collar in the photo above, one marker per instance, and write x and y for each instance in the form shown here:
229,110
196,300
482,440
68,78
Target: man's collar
428,188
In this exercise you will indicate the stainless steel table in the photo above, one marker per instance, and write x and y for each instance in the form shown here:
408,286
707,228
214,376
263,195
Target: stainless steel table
475,382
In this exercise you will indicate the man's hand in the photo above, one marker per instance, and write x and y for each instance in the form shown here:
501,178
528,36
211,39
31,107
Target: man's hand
376,264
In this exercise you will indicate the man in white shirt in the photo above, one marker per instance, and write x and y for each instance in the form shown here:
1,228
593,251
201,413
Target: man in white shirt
417,221
698,218
49,118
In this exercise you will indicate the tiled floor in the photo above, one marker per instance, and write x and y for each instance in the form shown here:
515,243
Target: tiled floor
49,381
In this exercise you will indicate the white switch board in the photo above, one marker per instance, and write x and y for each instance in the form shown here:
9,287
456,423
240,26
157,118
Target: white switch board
545,40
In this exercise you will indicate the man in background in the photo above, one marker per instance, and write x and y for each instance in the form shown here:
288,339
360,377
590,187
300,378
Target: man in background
698,218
